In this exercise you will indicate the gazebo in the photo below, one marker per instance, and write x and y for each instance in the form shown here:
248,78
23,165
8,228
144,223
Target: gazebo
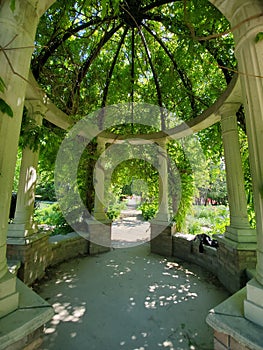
22,312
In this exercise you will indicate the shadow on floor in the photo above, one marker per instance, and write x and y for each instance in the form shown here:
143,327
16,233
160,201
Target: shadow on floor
130,299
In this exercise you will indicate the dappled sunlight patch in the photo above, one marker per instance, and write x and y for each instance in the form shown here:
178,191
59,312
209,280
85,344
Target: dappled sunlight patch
182,338
65,312
69,278
131,295
166,293
119,270
179,338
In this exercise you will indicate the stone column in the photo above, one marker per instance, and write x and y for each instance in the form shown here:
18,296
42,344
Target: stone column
239,230
17,29
163,212
24,242
246,17
237,247
161,228
99,179
23,225
100,228
249,54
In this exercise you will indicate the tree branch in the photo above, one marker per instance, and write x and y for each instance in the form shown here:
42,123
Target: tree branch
184,78
54,43
155,77
109,76
157,3
85,67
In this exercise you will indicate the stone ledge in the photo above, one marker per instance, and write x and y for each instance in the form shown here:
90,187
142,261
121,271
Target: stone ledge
59,238
228,318
186,247
32,313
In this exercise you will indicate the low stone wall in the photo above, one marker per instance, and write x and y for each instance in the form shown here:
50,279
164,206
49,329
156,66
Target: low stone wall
233,264
225,342
229,263
186,247
64,247
33,254
40,251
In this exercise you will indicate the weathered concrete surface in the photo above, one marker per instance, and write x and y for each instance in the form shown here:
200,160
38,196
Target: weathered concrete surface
130,299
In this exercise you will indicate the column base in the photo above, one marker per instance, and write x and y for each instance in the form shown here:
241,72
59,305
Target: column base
241,235
161,238
21,230
253,305
8,294
99,236
34,254
233,260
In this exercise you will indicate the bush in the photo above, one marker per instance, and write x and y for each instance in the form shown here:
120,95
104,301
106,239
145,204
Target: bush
53,217
114,210
148,210
207,219
195,228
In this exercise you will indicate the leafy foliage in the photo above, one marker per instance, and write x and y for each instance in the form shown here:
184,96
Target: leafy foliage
53,217
207,219
156,52
259,37
146,46
5,108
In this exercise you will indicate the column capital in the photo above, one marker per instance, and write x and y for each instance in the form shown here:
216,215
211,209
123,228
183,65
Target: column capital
229,124
231,10
37,109
229,109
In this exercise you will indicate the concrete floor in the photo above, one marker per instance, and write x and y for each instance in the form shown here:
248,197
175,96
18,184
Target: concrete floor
130,299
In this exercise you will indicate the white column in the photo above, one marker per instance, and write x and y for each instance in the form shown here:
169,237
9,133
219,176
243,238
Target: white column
23,224
163,212
17,29
246,18
239,229
99,179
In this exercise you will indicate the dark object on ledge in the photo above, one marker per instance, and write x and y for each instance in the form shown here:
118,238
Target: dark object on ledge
206,240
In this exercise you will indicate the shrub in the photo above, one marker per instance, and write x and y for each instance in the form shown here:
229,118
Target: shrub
148,210
208,219
114,210
195,228
53,217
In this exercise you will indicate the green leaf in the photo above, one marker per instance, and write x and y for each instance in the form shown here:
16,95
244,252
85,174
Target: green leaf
5,108
2,85
12,5
259,37
104,8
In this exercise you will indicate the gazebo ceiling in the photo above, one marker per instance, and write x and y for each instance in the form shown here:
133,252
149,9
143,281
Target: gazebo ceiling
143,51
